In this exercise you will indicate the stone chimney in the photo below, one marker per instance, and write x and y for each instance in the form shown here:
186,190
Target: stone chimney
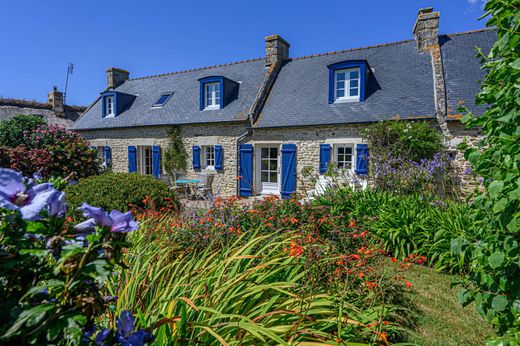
116,77
426,29
276,50
56,101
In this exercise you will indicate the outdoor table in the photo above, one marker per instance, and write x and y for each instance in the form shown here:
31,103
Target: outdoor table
187,183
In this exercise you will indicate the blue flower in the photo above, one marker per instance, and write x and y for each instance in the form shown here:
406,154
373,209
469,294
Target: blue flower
116,221
124,336
15,196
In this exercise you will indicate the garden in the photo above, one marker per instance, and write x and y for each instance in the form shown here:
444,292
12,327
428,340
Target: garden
93,257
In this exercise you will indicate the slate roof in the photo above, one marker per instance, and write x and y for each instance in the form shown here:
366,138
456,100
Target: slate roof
462,72
183,107
400,85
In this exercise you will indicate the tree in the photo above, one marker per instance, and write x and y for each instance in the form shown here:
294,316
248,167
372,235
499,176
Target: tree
175,155
12,130
494,278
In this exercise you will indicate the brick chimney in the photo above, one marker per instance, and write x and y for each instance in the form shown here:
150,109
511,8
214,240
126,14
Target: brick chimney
276,50
55,98
116,77
426,29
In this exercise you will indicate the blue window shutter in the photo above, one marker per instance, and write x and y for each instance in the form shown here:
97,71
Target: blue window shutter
132,159
288,170
361,159
218,157
156,160
324,157
196,158
246,170
108,156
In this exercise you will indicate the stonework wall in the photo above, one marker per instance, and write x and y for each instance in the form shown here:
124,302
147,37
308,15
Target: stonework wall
119,139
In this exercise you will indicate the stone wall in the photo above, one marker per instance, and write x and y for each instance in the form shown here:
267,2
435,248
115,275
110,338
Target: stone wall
11,107
225,134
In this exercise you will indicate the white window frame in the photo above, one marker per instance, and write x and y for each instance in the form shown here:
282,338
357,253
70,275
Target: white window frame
109,106
101,154
211,89
208,157
145,159
352,158
346,97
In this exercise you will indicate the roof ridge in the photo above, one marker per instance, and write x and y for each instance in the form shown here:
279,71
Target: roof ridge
468,32
352,49
197,69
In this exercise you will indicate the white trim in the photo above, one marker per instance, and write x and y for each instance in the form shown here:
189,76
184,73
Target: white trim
353,155
210,95
205,158
141,157
109,106
347,85
267,188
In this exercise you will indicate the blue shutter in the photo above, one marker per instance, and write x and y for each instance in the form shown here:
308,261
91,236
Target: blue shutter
108,156
132,159
361,159
218,157
156,160
324,157
196,158
246,170
288,170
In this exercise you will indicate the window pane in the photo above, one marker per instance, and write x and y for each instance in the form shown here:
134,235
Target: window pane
340,93
354,74
340,85
273,177
348,150
265,165
273,165
265,152
274,152
265,176
354,92
354,83
340,76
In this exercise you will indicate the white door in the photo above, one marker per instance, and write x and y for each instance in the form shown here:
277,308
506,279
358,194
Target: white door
269,172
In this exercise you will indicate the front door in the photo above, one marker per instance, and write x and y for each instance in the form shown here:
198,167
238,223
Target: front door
269,172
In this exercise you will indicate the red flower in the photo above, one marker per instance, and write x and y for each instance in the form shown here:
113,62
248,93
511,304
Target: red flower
352,224
408,284
295,250
393,259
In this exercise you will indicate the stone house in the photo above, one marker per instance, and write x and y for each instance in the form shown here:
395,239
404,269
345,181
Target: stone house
55,112
266,119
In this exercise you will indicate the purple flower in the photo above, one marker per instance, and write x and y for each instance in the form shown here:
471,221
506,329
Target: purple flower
116,221
124,326
15,196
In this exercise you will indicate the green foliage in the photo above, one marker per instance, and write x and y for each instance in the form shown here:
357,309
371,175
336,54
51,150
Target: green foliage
175,155
119,191
404,139
494,280
12,130
408,224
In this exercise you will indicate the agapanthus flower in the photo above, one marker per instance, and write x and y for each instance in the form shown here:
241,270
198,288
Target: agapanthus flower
124,326
115,220
14,195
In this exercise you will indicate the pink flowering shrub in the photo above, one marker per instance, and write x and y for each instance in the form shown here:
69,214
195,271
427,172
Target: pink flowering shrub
26,160
69,153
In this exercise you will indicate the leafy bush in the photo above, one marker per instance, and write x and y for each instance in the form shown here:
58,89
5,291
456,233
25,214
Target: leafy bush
494,280
70,153
25,160
175,155
12,130
276,272
52,276
121,191
408,224
408,140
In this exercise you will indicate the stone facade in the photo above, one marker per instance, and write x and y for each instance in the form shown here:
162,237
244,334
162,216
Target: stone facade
225,135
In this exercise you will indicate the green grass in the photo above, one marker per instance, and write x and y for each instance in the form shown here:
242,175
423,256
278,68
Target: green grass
439,318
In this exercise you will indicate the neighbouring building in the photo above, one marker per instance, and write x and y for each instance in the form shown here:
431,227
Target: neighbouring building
55,112
265,119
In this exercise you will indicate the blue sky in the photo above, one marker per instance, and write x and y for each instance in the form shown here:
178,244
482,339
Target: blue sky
40,38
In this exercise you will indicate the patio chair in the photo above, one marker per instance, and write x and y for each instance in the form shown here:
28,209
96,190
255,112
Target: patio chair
205,188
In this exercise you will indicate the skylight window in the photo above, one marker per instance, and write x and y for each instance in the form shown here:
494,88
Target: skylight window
162,100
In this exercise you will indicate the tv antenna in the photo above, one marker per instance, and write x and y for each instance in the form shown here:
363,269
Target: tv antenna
70,69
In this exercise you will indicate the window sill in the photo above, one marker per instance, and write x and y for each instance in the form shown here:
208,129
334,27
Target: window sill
211,108
110,116
349,100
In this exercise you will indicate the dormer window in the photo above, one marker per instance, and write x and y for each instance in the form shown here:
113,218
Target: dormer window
216,92
212,95
346,85
109,106
162,100
347,81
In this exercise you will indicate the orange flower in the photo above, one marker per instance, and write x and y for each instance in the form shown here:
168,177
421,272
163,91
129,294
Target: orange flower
408,284
361,275
355,257
239,177
371,285
352,224
393,259
295,250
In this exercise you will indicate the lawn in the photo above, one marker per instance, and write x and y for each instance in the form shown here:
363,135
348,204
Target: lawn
439,318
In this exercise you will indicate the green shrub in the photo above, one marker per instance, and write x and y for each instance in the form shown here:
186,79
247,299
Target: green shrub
12,130
120,191
404,139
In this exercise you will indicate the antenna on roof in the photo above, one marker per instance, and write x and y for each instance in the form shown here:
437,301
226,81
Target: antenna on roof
70,69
